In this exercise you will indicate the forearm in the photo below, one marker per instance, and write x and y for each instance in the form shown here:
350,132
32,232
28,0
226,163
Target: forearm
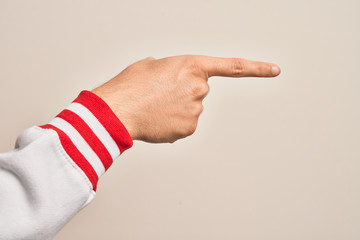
54,169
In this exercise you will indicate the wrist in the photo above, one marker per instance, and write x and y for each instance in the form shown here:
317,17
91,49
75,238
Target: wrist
91,134
119,110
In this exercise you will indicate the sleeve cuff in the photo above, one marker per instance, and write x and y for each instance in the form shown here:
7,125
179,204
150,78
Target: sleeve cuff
91,134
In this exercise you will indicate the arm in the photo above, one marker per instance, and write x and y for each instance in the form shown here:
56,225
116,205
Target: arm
53,171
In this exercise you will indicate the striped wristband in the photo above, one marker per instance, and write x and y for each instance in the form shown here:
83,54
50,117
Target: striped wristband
91,134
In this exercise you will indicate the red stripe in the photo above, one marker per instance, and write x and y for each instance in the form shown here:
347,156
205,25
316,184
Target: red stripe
85,131
107,118
75,155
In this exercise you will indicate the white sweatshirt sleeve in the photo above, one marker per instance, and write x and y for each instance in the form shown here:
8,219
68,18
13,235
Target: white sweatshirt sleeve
53,171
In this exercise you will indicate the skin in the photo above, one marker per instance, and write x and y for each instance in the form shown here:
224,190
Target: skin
160,100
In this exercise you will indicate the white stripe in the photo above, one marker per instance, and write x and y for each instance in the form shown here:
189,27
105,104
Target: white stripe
97,128
80,144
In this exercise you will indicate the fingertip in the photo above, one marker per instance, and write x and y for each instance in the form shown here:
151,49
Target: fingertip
275,70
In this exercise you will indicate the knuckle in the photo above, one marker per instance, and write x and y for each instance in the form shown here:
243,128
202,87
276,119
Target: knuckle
191,128
188,57
149,58
237,67
269,70
193,65
206,89
198,108
201,108
139,64
187,129
200,90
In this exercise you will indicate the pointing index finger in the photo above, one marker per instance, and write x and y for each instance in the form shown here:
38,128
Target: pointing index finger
237,67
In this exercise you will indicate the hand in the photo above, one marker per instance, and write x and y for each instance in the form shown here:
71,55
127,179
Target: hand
161,100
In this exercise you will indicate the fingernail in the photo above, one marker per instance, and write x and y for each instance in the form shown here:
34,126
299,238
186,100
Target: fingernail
275,70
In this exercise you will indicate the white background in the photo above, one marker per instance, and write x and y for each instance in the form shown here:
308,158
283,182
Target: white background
271,158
